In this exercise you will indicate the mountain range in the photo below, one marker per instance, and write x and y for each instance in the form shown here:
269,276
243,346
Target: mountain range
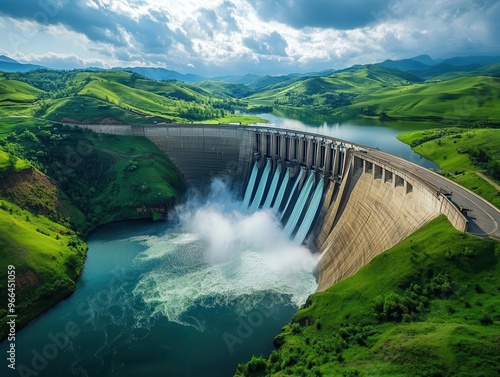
422,66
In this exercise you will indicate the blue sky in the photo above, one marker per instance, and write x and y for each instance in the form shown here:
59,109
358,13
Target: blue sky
215,37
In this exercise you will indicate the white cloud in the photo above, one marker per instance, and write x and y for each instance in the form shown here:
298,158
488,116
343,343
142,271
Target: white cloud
229,35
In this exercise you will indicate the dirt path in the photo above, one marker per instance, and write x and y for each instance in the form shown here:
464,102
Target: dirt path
488,180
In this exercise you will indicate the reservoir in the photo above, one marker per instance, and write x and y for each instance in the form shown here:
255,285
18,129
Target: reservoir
368,132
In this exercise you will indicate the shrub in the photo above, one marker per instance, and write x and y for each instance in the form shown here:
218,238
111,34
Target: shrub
486,320
256,364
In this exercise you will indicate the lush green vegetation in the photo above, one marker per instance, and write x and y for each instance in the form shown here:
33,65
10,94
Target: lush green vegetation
430,306
106,177
47,256
374,91
112,97
462,153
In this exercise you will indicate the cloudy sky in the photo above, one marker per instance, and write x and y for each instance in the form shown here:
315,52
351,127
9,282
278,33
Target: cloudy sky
214,37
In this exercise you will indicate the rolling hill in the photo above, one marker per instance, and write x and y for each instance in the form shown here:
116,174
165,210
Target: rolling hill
114,97
376,91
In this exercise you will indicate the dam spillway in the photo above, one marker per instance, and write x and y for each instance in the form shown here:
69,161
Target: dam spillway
344,200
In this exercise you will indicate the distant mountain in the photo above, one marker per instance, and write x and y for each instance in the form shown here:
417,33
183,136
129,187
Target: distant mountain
238,79
403,65
161,74
442,69
10,65
426,59
6,59
426,67
469,60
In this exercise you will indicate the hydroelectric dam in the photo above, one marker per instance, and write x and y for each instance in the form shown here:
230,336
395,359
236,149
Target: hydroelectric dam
344,200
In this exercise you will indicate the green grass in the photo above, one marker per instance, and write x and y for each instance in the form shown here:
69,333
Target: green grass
14,92
8,123
144,178
453,333
458,100
450,149
371,91
19,164
90,110
107,177
236,118
110,97
47,257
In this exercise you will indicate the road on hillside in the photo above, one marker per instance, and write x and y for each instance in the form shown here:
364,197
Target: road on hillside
483,217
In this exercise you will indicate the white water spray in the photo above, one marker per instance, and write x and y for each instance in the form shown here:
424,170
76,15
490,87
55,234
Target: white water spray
227,257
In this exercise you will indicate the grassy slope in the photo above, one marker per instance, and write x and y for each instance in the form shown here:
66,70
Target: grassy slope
360,81
447,148
96,173
376,90
467,98
12,91
90,110
46,265
17,98
19,164
456,334
153,170
105,97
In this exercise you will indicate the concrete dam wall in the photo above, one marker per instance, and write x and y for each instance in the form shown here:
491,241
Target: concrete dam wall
340,199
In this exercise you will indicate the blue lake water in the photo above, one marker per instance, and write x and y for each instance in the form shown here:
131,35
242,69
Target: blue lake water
367,132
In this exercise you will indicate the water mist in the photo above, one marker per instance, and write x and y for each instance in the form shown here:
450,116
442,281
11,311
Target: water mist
230,256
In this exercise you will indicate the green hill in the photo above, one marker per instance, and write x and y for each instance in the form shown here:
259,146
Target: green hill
12,91
47,257
36,239
222,89
430,306
375,91
110,97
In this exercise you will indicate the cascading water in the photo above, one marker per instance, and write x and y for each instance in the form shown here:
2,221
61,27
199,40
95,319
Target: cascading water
295,185
261,188
299,206
272,189
305,226
281,192
250,185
